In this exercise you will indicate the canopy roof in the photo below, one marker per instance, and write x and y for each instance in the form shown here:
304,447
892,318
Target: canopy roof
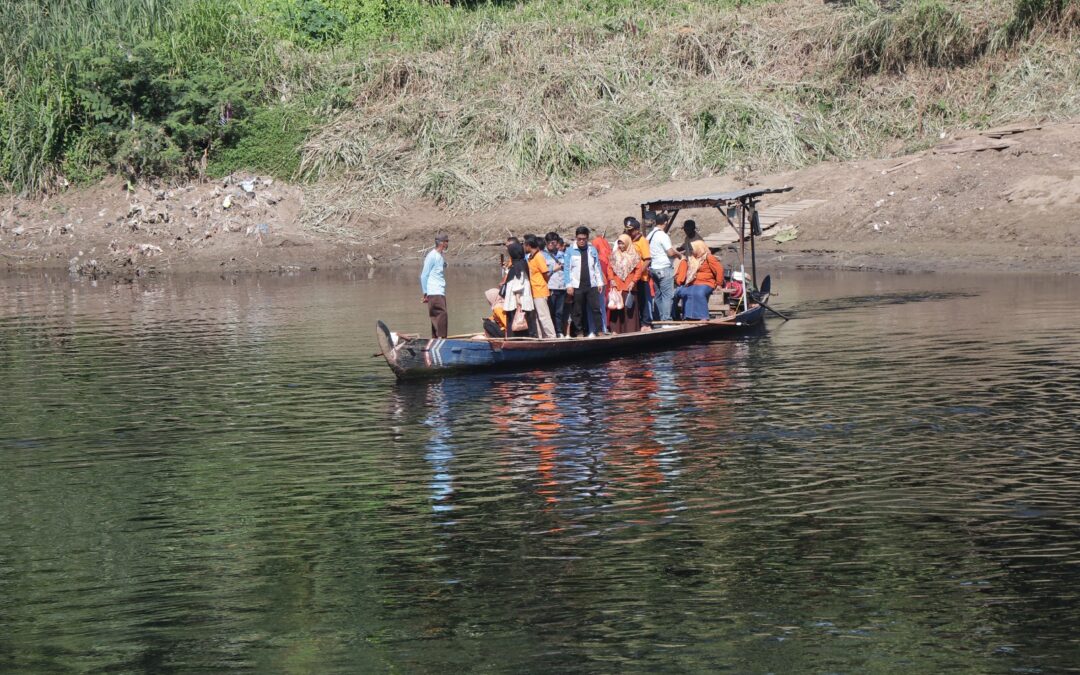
669,204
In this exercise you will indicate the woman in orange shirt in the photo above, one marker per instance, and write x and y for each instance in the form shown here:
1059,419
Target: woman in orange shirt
696,278
625,271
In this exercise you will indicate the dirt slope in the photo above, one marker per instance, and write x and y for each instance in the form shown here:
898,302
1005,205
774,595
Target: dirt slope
994,209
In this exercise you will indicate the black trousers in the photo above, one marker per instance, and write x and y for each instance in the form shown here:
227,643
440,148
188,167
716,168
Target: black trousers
557,302
530,318
586,300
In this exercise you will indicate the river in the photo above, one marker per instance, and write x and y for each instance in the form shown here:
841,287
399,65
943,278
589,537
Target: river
216,475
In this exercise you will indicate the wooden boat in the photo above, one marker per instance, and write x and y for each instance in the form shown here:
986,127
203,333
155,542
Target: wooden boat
412,356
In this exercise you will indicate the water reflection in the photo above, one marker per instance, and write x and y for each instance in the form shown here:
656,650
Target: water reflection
204,476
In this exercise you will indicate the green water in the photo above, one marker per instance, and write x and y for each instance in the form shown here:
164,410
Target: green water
205,475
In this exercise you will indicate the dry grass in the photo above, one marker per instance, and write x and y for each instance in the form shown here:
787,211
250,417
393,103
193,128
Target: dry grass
519,107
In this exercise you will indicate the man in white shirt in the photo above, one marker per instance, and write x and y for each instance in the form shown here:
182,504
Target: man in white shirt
433,285
662,268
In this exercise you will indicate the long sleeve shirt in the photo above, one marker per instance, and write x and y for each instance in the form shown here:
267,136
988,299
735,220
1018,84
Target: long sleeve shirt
433,276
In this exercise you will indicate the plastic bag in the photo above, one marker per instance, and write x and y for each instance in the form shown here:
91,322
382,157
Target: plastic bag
614,298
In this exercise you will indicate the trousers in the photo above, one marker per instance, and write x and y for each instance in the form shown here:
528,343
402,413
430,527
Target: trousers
440,320
586,300
543,318
665,293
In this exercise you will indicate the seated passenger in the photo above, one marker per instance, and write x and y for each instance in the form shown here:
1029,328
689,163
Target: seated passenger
697,277
495,325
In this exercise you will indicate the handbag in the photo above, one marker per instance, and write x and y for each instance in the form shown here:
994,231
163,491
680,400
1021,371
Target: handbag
519,323
629,304
614,299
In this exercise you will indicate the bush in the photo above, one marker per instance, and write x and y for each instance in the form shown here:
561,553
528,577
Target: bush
270,144
150,122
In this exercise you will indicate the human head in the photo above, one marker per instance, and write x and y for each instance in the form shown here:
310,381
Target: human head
689,227
532,243
624,242
442,241
581,235
631,227
512,240
700,249
492,295
552,239
516,251
662,221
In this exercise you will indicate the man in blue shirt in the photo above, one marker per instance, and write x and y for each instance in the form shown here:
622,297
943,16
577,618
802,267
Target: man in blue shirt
586,284
557,282
433,285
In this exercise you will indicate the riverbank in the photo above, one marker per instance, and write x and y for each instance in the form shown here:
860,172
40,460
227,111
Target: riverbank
944,209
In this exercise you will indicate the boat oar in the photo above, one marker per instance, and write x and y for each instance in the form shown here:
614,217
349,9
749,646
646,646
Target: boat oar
785,318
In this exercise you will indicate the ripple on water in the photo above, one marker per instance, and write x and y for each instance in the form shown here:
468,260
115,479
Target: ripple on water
201,475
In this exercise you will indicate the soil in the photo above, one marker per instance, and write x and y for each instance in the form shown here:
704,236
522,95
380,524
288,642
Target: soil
952,208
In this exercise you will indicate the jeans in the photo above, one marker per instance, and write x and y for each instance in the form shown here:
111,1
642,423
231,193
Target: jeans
665,293
644,303
695,301
557,303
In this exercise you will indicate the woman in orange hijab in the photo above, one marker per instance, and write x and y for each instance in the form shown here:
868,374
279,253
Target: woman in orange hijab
623,279
696,278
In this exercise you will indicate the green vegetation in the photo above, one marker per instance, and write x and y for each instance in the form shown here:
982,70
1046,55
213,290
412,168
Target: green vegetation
472,102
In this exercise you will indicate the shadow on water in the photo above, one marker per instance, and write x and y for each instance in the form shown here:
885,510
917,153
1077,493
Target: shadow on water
822,307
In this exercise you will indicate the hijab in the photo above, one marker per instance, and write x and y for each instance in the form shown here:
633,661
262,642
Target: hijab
518,265
626,261
693,264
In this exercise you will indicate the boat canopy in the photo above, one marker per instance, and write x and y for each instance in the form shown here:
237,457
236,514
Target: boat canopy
718,199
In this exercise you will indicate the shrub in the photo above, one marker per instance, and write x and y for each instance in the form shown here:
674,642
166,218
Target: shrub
151,122
270,144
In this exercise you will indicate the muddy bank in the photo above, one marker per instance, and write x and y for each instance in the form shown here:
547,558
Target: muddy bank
974,203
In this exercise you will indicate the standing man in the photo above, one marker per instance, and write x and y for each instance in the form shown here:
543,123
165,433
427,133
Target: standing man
586,283
433,285
662,269
632,227
539,276
556,282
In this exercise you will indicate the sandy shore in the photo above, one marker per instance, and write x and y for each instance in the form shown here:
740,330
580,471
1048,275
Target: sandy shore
973,203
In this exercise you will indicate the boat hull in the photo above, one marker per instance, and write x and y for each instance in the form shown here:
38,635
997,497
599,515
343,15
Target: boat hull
411,358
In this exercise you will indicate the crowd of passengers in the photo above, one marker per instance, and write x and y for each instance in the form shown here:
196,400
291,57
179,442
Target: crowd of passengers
554,288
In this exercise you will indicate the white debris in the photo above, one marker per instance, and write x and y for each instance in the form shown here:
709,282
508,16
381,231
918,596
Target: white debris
227,202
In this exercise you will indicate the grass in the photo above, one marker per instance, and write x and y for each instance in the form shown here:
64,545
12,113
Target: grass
371,102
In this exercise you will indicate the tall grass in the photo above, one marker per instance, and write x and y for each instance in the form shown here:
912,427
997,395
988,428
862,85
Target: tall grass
470,103
47,45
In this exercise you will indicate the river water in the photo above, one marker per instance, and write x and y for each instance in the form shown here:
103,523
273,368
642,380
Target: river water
216,475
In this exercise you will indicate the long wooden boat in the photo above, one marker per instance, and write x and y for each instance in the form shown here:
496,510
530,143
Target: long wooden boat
412,356
416,357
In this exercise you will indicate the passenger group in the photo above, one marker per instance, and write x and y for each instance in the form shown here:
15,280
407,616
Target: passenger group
553,288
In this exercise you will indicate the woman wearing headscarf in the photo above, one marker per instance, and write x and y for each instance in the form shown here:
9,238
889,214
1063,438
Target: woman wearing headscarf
697,277
625,271
518,297
495,325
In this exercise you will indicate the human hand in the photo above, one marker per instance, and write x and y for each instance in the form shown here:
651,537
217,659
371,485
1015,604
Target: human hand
570,292
424,299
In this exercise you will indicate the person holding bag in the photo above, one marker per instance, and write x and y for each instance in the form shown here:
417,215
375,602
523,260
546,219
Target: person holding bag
518,298
626,269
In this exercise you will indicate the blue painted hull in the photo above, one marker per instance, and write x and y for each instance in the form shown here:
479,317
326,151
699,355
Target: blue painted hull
415,357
